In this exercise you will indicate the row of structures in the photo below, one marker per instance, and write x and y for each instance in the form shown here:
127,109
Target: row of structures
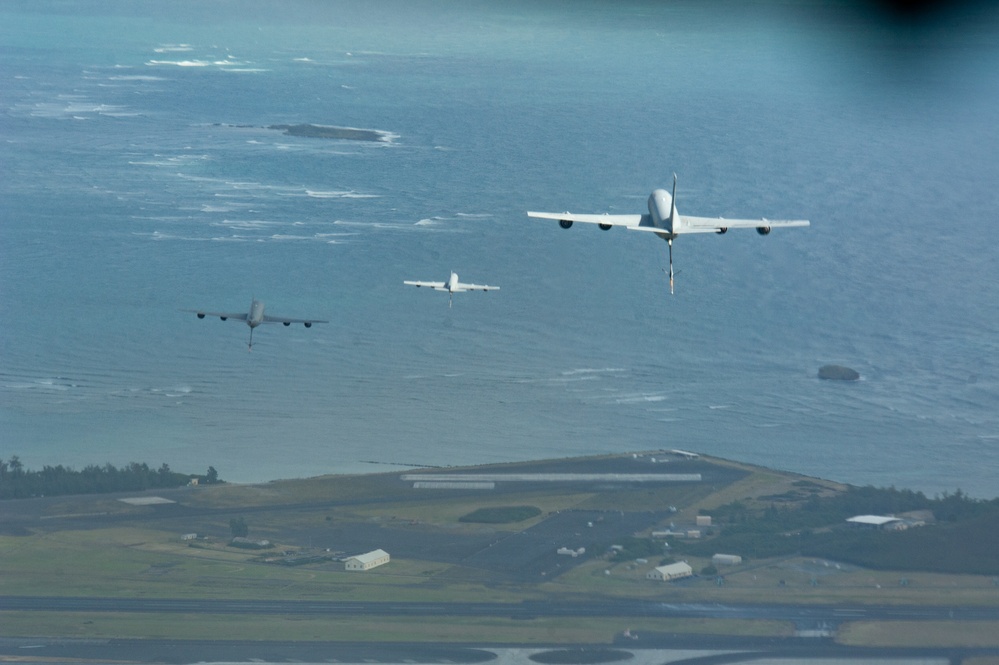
360,562
681,569
885,522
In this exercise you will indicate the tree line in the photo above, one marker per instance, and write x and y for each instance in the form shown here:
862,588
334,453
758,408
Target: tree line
18,482
964,538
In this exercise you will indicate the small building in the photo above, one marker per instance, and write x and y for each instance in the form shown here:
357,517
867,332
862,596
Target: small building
693,533
571,552
874,521
366,561
703,520
673,571
726,559
189,536
667,533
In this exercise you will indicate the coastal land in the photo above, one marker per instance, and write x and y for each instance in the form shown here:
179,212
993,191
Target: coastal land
537,553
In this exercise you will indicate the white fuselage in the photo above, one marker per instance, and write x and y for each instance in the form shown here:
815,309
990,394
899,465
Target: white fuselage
452,283
256,316
662,211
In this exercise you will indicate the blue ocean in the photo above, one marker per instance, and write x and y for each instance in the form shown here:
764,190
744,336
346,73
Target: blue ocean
140,175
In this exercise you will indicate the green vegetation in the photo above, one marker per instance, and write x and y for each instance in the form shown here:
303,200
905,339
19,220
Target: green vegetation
966,634
968,546
16,482
386,629
98,546
238,527
501,514
965,539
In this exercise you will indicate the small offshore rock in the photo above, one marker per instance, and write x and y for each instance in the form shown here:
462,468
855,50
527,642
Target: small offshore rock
838,373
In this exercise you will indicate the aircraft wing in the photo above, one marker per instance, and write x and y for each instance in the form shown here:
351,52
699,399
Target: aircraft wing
630,221
281,319
238,316
715,224
475,287
437,286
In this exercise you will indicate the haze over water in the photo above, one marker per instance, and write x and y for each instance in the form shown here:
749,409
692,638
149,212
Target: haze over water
138,178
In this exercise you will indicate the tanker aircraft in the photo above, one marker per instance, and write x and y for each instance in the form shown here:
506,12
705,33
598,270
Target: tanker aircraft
664,221
452,286
254,317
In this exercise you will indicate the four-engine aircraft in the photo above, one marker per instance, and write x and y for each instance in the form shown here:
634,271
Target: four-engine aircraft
664,221
254,317
452,286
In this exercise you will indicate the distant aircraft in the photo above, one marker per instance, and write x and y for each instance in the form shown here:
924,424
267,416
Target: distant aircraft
664,221
452,286
254,317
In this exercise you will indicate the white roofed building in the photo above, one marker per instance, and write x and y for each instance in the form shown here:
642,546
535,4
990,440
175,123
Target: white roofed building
673,571
726,559
874,521
366,561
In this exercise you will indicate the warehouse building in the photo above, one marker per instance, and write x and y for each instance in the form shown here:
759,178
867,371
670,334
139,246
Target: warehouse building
875,521
673,571
726,559
366,561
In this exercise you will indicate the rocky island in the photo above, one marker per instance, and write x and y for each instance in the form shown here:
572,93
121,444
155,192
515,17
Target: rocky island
838,373
331,132
309,130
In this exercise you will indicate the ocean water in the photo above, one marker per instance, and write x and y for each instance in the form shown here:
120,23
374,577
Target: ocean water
138,178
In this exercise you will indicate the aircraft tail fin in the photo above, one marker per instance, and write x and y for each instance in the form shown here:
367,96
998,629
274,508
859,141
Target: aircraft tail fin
672,215
672,204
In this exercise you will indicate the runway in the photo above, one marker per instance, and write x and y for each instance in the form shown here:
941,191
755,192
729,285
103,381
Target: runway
801,615
644,650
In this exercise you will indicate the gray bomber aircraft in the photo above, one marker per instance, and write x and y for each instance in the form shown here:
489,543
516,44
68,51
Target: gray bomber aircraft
254,317
664,221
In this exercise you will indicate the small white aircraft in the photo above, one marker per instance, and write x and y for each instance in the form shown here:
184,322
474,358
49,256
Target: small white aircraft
664,221
254,317
452,286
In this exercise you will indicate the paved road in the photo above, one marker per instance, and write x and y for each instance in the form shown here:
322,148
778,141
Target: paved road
703,650
798,614
648,650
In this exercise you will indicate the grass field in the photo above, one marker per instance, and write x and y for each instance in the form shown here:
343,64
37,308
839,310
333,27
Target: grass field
136,563
111,625
761,582
968,634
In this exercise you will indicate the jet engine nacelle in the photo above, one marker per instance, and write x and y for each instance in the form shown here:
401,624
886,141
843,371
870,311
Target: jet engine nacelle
286,323
565,223
201,315
723,230
605,227
763,230
308,324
